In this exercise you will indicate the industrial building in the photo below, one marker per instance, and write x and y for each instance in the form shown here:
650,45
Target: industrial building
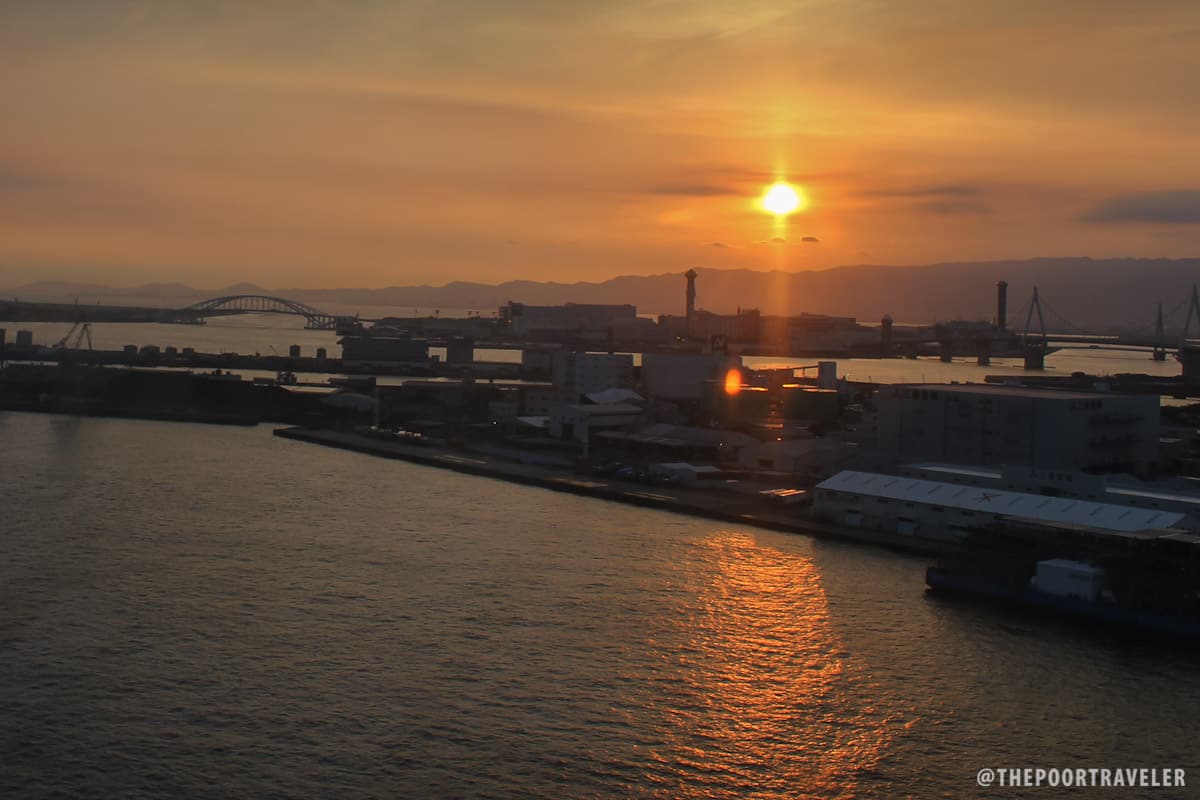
575,374
538,361
940,510
684,376
586,320
1012,425
578,421
384,347
811,458
797,333
1062,483
663,441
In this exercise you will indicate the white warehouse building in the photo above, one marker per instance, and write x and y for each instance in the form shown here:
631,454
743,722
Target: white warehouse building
939,510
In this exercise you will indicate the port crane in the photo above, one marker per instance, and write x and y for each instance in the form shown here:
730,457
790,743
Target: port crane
75,337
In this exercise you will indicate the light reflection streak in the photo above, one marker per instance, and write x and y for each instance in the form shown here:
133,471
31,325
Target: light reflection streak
765,696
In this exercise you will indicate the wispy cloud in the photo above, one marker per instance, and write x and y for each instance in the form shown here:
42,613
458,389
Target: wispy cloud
691,190
19,179
919,192
943,208
1179,207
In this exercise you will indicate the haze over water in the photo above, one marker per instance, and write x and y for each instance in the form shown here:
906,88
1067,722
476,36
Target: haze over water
201,611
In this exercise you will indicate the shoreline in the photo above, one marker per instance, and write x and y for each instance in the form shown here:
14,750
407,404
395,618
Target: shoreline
744,510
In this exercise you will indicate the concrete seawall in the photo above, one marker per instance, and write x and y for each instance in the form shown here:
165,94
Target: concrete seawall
716,505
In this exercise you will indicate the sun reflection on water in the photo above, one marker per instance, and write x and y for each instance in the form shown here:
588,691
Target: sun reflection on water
773,700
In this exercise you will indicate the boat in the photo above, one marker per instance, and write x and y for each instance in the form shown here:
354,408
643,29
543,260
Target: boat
1146,580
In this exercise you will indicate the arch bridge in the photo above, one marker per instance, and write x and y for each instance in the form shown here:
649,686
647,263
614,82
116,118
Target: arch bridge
262,304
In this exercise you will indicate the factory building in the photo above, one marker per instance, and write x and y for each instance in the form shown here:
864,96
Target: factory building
384,347
576,373
1010,425
578,421
801,332
940,510
684,376
741,327
811,458
538,361
580,319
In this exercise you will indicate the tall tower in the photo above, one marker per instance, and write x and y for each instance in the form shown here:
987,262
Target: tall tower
1002,306
691,297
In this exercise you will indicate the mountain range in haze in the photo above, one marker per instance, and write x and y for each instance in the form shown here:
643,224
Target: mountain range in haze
1092,294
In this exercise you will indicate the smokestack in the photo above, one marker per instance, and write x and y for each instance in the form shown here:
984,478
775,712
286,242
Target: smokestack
691,297
1002,306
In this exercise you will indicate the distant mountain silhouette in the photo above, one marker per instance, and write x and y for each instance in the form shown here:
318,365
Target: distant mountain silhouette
1097,294
239,288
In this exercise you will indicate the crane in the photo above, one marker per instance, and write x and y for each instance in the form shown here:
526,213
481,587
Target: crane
75,337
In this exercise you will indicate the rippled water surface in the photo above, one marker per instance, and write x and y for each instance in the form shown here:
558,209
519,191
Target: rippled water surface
194,611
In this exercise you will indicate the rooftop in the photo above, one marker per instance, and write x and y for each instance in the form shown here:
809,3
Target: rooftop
610,409
954,469
614,395
1071,511
994,390
1189,499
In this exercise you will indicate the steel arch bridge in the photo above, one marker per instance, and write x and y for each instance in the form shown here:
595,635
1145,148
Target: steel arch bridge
262,304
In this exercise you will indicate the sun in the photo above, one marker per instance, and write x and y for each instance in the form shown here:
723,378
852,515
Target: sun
781,199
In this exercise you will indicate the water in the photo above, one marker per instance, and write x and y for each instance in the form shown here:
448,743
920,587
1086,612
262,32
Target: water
198,611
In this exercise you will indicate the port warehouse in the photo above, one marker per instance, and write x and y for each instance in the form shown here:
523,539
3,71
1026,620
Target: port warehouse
1057,483
942,510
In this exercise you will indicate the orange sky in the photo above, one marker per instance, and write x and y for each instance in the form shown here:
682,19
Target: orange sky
338,143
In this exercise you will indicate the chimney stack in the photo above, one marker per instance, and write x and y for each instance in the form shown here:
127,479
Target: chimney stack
691,297
1002,306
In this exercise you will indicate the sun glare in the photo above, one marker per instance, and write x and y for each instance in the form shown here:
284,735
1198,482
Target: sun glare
781,199
733,382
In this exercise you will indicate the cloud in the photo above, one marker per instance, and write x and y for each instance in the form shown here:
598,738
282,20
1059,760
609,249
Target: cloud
811,240
13,179
718,244
941,199
951,207
1180,207
778,240
948,190
690,190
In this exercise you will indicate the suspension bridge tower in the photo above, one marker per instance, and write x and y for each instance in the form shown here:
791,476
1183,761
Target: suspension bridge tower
1160,338
1189,355
1035,349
